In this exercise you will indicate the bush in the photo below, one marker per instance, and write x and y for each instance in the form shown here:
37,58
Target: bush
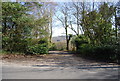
38,49
79,41
32,46
103,52
43,41
38,46
52,47
14,44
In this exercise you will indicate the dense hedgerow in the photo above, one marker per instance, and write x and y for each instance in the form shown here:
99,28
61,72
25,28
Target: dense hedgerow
103,52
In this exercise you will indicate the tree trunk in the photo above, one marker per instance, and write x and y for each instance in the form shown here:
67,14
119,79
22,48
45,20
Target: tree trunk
67,44
93,5
115,24
67,41
66,31
77,19
50,29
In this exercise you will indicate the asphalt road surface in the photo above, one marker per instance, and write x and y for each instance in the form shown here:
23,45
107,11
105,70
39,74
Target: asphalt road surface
59,65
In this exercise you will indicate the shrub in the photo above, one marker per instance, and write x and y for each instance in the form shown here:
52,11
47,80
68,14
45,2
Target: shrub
38,49
38,46
102,52
79,41
43,41
52,47
14,44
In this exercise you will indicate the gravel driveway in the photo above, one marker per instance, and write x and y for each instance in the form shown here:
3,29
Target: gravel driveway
56,65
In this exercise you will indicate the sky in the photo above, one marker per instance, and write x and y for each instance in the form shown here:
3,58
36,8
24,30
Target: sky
60,31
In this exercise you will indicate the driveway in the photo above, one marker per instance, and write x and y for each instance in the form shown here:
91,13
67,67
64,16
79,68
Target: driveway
57,65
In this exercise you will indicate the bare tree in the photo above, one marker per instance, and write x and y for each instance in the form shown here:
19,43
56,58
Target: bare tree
51,10
64,20
78,12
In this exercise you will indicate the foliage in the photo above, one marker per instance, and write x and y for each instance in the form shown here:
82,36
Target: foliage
38,49
39,46
43,41
99,39
14,23
52,47
79,41
21,30
15,44
104,52
97,29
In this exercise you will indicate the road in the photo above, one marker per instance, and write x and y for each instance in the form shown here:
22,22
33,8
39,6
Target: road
59,65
